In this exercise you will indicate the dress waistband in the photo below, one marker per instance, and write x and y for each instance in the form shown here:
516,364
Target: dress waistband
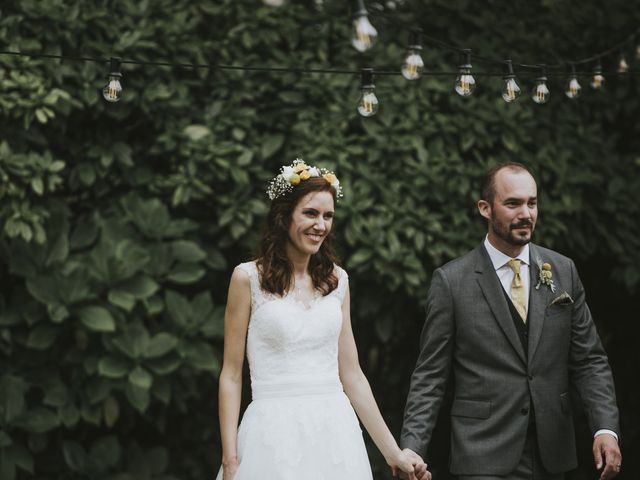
262,390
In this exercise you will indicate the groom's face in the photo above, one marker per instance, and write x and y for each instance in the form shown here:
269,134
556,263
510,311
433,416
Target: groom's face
513,213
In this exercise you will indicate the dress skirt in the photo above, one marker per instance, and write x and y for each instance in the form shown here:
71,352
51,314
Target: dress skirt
293,431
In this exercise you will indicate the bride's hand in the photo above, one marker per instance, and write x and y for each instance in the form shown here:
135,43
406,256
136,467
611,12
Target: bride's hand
410,466
229,469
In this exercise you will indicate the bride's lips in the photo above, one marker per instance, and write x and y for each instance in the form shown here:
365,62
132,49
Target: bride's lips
315,237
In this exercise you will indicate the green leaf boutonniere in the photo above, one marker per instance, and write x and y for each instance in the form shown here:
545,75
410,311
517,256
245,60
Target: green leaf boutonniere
545,276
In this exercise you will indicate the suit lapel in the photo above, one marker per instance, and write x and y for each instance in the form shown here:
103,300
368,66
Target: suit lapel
492,291
538,301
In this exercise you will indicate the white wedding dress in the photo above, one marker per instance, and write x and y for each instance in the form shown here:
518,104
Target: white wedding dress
300,423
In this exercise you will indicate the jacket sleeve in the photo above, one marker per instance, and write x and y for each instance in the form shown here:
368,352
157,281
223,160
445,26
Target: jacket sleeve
429,378
589,366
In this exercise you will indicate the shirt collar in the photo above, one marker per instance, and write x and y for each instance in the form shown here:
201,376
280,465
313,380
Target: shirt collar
499,259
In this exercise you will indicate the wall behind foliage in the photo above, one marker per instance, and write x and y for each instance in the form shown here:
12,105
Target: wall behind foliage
120,224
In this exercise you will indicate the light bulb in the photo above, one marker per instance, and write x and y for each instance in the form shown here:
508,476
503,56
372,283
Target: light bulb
510,90
572,88
112,92
597,81
623,66
638,52
413,64
364,35
541,93
465,83
368,104
273,3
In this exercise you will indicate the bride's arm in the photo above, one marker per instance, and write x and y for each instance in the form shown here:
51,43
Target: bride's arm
236,322
357,388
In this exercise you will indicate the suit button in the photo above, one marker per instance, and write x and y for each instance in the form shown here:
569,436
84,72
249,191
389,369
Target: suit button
530,377
524,411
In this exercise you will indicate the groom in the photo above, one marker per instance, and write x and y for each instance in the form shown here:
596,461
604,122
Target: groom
510,322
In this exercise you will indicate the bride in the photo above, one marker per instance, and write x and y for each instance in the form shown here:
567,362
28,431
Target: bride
291,309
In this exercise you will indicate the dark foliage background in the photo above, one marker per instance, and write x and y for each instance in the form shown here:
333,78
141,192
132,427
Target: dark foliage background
120,224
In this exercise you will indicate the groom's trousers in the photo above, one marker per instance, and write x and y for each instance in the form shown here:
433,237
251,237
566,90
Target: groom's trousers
529,468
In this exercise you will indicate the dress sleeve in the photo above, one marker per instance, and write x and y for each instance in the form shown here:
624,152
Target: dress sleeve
251,269
343,283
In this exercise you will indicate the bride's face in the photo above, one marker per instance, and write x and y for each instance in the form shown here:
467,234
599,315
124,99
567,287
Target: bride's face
311,222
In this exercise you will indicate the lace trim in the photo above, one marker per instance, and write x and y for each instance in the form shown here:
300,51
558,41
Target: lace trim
259,296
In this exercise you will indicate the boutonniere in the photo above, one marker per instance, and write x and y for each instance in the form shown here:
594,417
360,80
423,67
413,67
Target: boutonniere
545,277
563,299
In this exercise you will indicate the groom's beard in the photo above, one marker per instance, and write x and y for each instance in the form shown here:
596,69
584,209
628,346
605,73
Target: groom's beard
506,232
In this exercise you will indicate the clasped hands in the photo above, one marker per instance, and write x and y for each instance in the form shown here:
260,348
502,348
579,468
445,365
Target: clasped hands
410,466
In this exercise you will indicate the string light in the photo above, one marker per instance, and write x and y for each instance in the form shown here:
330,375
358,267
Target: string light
465,83
413,65
623,66
511,89
638,52
541,93
273,3
573,87
112,92
597,81
364,35
368,104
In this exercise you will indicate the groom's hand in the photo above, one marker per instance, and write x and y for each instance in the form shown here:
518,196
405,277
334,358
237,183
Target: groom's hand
419,465
606,452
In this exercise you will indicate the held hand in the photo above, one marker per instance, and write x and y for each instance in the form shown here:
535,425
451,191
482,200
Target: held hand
420,471
229,469
607,453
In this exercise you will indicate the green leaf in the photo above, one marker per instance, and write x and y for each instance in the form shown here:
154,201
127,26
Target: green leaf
187,251
271,145
122,299
43,289
97,318
69,415
201,356
113,367
161,344
74,456
42,337
186,273
106,452
12,391
111,409
140,286
196,132
140,378
138,397
37,420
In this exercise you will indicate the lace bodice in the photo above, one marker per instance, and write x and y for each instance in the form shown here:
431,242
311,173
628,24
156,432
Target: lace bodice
288,341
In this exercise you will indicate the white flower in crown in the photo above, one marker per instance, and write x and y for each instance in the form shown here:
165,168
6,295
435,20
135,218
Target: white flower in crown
299,171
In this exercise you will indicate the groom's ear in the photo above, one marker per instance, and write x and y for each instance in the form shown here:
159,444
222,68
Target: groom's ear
485,209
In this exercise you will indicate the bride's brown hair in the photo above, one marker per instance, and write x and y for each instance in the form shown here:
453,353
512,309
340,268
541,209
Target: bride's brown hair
276,270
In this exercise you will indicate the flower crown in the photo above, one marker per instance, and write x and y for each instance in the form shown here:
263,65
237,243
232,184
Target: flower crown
297,172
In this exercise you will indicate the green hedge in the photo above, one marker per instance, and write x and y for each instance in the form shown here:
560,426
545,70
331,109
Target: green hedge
120,223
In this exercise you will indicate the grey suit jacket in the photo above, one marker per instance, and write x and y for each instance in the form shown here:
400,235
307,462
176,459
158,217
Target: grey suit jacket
469,330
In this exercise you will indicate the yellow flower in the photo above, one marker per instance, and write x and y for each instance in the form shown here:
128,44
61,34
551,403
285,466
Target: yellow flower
329,177
294,179
305,175
547,274
299,167
546,266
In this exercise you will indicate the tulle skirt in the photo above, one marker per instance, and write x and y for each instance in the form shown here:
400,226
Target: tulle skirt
294,431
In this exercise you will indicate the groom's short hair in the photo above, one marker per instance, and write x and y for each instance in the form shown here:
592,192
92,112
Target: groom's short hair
488,191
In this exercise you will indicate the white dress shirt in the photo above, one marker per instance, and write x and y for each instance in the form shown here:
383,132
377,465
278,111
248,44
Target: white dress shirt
505,274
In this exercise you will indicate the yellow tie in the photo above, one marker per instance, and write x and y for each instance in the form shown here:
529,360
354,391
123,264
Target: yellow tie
517,289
